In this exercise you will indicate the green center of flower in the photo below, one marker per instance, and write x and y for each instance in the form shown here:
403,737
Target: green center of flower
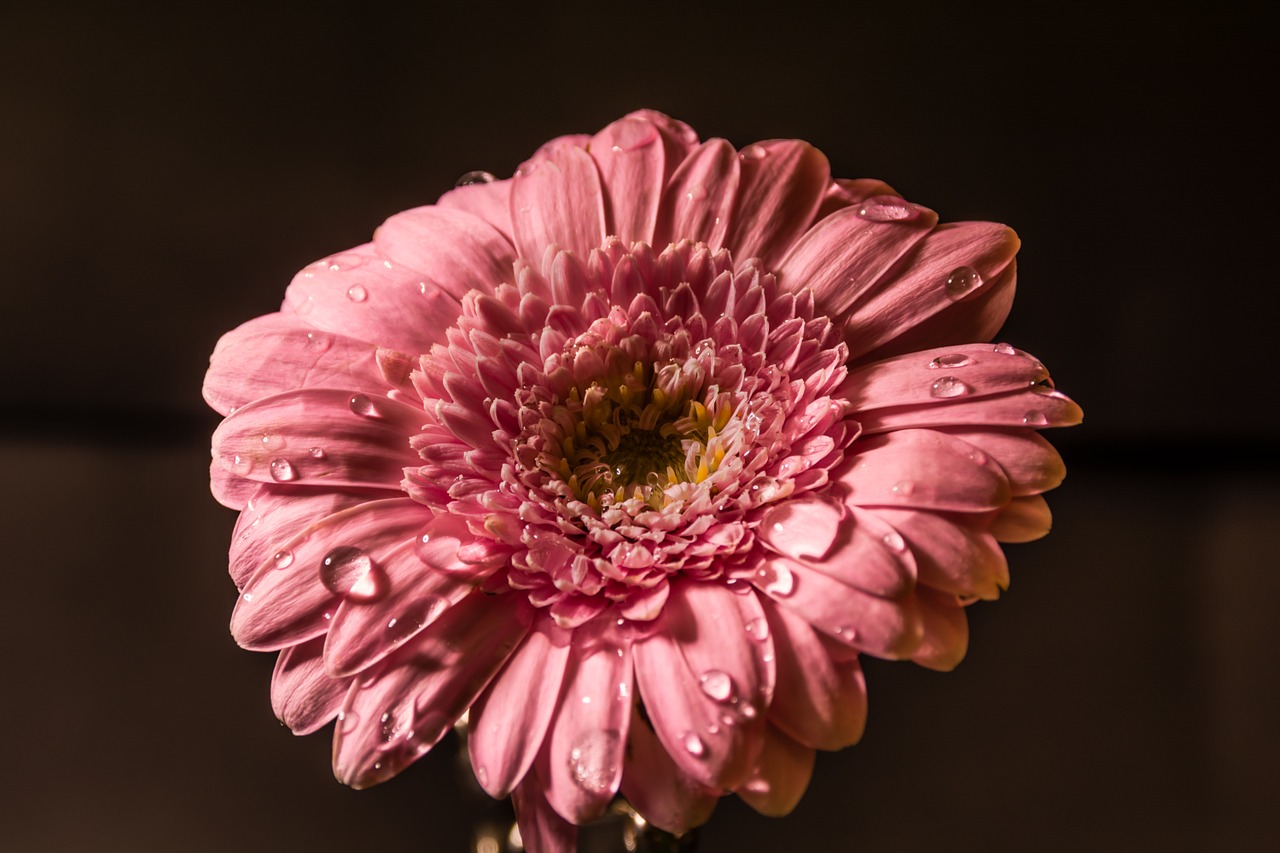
632,436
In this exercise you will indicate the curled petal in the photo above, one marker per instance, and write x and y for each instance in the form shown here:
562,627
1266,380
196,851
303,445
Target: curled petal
946,631
557,200
303,695
631,158
541,829
698,201
668,797
780,777
1025,519
783,183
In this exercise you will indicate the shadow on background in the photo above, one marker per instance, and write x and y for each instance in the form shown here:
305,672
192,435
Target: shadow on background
164,176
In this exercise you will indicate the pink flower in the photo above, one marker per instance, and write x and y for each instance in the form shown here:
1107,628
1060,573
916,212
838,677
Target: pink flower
630,456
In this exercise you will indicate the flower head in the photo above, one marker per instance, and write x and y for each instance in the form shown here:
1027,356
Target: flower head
628,457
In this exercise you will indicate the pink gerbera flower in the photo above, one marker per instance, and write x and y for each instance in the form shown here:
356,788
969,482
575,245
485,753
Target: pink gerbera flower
630,457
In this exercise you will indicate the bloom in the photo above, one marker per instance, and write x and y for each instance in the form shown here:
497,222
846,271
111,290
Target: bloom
629,457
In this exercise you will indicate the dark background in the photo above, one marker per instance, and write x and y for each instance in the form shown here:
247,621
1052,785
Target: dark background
164,174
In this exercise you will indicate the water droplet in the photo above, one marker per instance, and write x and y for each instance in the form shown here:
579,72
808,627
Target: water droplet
476,177
396,723
887,208
357,293
758,628
776,579
482,776
318,342
316,452
754,152
904,488
593,761
894,540
847,632
716,684
953,359
306,306
693,744
1035,417
345,261
349,571
948,386
241,465
962,282
978,457
283,559
272,442
248,597
282,471
364,407
748,712
1004,349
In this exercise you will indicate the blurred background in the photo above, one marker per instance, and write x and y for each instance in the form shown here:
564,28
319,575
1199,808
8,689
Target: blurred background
164,174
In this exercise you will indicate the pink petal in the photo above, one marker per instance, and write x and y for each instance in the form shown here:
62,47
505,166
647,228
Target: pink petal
698,200
677,137
541,829
843,192
558,200
820,702
702,685
488,201
844,255
582,757
1036,407
631,158
1028,460
227,488
303,695
362,295
953,553
452,249
281,352
655,786
917,289
936,376
322,436
884,627
925,469
395,716
1025,519
783,183
781,776
284,602
365,629
510,719
278,513
946,631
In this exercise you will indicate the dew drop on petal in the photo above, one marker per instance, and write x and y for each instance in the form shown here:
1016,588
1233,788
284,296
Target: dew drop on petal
748,712
361,405
344,569
316,452
758,628
693,744
887,208
716,684
282,471
754,152
904,488
475,177
776,579
420,614
318,342
272,442
1035,417
241,464
962,281
978,457
592,761
954,359
948,386
357,293
283,559
1004,349
893,539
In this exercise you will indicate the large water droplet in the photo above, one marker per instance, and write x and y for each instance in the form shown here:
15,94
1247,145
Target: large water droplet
948,386
475,177
887,208
349,571
758,628
282,471
283,559
1035,417
754,152
357,293
953,359
1004,349
716,684
364,407
593,761
693,744
962,282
